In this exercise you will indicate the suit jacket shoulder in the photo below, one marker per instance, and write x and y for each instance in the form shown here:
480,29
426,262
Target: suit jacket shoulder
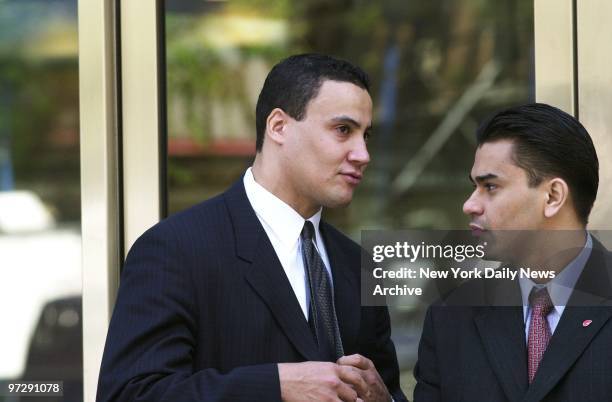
478,352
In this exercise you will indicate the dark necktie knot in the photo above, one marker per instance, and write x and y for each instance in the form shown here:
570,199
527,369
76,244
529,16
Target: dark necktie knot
307,231
540,302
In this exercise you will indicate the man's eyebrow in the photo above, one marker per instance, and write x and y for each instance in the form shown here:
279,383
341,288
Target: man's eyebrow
484,177
349,120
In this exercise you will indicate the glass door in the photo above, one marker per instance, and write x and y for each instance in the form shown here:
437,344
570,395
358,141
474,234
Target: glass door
437,69
40,218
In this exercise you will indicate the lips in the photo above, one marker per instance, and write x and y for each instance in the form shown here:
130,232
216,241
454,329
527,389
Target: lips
477,230
352,177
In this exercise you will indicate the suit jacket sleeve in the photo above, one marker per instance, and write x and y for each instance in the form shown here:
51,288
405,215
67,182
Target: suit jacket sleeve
426,371
384,356
375,330
152,337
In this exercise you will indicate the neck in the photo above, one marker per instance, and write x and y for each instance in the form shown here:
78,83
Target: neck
270,175
553,250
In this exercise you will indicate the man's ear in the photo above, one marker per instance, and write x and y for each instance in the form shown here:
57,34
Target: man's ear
557,195
276,125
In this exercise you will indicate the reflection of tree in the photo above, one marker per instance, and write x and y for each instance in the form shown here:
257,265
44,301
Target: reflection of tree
39,96
422,57
203,76
442,46
41,120
215,64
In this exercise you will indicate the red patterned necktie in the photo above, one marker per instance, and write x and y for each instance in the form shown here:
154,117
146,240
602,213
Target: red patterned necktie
539,330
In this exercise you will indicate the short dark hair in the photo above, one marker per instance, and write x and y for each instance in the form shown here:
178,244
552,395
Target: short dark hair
294,81
549,143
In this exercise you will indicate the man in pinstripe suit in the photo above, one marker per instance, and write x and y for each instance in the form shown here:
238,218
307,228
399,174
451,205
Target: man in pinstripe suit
220,302
535,177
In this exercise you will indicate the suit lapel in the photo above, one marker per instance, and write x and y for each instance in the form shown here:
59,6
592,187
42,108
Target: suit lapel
503,337
567,344
268,279
590,300
346,288
266,275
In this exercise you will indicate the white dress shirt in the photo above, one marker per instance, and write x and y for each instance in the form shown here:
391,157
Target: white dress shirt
560,288
283,226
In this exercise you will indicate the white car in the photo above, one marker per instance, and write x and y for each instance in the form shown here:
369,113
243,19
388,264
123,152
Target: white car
39,262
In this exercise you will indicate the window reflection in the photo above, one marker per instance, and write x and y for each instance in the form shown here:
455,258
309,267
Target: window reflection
437,69
40,242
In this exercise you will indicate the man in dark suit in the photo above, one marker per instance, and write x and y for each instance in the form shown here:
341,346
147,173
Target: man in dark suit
535,177
249,296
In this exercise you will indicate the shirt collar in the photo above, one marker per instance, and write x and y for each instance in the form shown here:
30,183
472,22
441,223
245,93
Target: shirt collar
560,288
284,221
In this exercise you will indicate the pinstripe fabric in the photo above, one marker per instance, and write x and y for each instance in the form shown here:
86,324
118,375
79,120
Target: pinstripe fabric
478,353
204,311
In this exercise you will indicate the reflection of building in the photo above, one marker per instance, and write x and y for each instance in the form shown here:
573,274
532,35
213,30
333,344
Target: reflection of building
437,68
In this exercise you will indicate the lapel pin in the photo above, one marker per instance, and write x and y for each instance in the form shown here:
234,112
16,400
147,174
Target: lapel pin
586,323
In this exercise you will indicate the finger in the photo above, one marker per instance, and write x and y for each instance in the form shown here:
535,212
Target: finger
346,360
346,393
356,360
355,377
376,386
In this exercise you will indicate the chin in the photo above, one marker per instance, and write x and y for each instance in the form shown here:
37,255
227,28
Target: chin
494,255
504,247
337,202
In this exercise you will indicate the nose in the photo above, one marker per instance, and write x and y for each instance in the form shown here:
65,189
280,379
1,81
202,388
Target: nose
472,206
359,154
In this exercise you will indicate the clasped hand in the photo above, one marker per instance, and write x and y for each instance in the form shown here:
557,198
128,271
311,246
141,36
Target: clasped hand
352,378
